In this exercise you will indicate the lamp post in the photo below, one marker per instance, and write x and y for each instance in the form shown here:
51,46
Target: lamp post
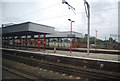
71,35
87,10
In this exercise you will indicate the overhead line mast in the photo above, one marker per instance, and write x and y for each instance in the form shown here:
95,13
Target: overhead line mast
87,10
69,6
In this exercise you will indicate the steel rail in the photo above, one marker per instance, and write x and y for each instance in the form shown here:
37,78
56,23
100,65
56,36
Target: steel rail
26,73
63,69
16,73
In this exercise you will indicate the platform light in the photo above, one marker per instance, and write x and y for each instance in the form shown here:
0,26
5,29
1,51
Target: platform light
71,35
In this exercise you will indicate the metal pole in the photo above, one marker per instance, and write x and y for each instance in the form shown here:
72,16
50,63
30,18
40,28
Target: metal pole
44,42
88,42
87,10
71,38
20,42
71,35
58,41
13,41
26,42
39,42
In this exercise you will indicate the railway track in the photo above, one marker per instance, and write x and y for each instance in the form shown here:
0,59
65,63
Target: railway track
99,64
25,74
6,71
64,68
74,49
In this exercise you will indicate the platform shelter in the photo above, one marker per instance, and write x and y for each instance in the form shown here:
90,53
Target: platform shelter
23,34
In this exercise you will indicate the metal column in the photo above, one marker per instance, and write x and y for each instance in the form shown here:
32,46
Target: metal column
58,41
39,42
87,10
26,42
71,38
44,42
13,41
48,42
20,42
7,41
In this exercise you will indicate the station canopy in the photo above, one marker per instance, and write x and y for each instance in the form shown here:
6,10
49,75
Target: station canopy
65,34
27,28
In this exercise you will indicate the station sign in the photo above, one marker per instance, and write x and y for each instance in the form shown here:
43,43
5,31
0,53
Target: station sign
70,35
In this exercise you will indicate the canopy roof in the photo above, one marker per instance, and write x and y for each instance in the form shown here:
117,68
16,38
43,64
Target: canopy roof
27,28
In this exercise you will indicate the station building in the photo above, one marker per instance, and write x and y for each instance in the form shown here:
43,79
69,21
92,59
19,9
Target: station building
29,34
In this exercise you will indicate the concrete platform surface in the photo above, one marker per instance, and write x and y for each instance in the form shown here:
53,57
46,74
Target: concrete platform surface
101,56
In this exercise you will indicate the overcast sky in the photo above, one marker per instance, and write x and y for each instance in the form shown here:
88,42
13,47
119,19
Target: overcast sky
104,15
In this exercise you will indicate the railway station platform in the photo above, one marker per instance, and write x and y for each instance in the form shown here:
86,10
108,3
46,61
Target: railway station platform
100,49
100,56
85,55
